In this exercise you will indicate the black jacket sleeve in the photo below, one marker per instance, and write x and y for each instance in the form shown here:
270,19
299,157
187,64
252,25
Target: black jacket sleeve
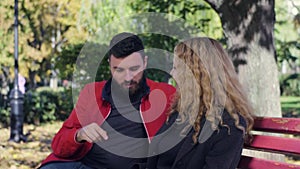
226,149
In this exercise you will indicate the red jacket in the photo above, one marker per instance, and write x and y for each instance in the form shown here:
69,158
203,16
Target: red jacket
91,108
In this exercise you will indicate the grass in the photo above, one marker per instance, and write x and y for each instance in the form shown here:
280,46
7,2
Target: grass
290,106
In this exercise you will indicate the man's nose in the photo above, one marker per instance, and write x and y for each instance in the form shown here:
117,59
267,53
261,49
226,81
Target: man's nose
128,75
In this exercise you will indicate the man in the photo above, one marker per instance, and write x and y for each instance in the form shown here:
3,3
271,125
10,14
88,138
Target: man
113,121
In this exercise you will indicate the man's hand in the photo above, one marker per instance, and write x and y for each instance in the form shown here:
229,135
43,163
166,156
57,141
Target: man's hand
91,133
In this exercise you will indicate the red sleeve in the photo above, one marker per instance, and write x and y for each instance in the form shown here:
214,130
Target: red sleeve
64,144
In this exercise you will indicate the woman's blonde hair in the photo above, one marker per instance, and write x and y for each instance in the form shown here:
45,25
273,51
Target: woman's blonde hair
208,84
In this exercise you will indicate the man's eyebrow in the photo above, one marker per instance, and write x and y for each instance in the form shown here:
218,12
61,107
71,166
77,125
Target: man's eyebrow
137,66
117,67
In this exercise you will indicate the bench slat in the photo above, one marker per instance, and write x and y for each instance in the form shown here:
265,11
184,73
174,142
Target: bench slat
277,144
277,125
257,163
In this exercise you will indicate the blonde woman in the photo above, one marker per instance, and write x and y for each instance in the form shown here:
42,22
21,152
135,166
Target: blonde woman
211,115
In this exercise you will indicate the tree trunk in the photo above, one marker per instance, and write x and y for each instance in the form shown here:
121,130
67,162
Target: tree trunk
248,27
32,81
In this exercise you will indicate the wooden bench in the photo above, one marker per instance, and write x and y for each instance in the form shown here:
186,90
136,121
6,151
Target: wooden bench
281,144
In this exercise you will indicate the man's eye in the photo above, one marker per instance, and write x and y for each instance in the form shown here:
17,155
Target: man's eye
134,68
119,70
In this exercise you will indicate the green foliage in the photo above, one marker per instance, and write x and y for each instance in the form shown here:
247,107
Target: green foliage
200,18
285,51
44,105
157,75
4,116
4,106
290,84
158,41
66,60
94,15
44,27
287,39
290,106
6,30
287,44
85,62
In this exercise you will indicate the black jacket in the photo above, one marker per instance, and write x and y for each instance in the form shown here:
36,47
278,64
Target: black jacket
221,150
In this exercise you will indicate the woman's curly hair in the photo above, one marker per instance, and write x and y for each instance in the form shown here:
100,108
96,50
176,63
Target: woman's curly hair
208,85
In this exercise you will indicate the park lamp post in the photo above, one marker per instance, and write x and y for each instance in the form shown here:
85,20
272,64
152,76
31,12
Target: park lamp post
16,96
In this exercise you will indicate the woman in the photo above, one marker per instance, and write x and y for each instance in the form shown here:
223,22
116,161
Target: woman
210,116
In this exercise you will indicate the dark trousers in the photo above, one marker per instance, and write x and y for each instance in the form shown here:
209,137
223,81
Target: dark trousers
65,165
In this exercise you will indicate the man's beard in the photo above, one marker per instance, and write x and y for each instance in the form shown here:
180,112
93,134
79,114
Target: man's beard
134,87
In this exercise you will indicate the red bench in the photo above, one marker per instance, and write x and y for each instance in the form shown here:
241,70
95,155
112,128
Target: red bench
274,144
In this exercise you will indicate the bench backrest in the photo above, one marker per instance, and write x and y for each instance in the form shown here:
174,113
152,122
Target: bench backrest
275,144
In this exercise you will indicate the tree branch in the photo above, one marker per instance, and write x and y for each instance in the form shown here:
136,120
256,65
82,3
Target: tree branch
295,6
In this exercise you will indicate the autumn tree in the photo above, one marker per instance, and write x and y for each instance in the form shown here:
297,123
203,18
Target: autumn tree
44,27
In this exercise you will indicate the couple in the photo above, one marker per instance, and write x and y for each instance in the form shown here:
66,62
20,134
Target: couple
131,121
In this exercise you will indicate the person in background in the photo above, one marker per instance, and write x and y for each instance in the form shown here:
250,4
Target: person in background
210,115
110,117
22,82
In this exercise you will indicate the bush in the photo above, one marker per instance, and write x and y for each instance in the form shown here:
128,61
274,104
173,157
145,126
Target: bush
41,105
45,105
4,116
290,85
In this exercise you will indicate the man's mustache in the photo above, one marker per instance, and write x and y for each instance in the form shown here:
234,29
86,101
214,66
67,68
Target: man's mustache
132,82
